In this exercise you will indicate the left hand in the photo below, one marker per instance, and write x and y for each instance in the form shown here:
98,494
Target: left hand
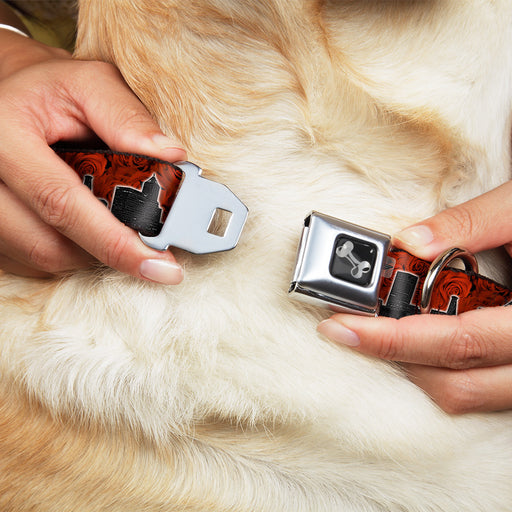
50,222
463,362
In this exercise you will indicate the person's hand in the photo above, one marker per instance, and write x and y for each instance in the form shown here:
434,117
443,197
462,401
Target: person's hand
49,221
463,362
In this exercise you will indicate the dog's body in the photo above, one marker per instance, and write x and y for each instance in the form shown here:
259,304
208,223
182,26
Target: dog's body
218,394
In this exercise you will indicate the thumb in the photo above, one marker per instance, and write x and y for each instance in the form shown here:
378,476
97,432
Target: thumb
119,118
479,224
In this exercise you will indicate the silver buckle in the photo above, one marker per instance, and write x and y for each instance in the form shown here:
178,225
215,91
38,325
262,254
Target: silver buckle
339,265
188,222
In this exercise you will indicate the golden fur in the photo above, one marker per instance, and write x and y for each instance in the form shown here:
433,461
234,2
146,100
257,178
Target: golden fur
217,394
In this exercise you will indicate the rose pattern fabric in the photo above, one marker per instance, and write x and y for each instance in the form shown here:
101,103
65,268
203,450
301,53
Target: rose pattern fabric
472,290
110,169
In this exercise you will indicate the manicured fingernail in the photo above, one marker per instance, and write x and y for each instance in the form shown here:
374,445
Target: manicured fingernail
164,143
416,236
161,271
338,333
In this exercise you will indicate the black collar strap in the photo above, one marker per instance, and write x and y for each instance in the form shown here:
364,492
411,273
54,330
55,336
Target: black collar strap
169,204
353,269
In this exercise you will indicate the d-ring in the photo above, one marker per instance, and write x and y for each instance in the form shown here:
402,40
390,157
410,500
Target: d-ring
470,264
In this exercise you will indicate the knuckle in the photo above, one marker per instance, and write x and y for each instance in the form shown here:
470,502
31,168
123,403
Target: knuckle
460,394
461,220
42,257
98,69
465,348
386,349
389,345
54,205
79,82
132,117
115,252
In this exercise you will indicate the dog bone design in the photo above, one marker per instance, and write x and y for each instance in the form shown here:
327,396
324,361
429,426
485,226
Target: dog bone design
358,267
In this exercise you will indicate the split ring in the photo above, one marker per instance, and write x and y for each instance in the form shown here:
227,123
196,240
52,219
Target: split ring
470,264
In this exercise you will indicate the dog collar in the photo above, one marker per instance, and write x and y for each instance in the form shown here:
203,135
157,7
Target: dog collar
352,269
168,204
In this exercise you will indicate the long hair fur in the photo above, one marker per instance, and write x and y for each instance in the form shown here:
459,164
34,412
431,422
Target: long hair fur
217,394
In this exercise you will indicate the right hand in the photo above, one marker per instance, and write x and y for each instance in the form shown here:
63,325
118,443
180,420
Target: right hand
49,221
463,362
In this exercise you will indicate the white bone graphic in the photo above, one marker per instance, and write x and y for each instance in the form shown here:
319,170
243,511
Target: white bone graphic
358,267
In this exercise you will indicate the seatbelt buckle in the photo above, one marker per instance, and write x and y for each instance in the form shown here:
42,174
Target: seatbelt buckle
340,265
188,224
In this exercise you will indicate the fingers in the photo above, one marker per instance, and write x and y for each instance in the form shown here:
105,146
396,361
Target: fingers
53,221
60,200
463,391
26,242
473,339
14,267
476,225
117,116
463,362
58,100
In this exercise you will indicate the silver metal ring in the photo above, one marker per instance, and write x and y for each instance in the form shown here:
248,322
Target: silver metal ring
470,264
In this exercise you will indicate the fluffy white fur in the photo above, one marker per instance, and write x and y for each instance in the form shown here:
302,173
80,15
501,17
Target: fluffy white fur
218,394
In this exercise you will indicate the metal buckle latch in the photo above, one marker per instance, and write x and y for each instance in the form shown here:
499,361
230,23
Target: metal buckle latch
339,265
188,222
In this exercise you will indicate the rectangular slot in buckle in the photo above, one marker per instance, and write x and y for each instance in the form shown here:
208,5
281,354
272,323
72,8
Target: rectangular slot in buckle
190,222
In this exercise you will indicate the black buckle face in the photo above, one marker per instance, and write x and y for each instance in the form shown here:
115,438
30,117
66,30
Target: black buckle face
353,260
339,265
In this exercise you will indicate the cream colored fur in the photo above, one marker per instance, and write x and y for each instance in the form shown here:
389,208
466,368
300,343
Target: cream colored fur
218,395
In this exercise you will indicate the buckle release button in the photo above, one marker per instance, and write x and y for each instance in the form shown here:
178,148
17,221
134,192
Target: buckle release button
339,265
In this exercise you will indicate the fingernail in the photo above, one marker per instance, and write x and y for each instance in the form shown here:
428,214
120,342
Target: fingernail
164,143
338,333
416,236
161,271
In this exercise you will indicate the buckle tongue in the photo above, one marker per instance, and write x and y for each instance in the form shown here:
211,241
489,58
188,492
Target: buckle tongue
188,222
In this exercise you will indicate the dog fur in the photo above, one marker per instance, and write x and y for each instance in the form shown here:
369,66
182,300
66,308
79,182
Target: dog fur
217,394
